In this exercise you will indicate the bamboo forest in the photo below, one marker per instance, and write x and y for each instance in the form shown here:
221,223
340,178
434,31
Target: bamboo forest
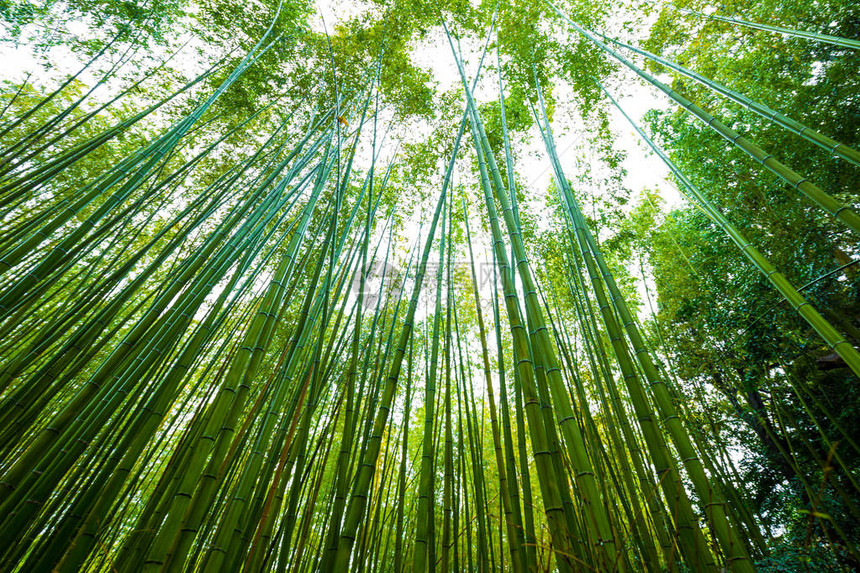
429,285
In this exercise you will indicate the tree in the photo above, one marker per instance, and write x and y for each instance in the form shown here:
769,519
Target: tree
246,324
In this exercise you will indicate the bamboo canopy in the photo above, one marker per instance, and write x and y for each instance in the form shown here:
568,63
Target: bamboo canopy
246,332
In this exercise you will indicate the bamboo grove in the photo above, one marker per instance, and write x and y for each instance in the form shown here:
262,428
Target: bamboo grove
222,351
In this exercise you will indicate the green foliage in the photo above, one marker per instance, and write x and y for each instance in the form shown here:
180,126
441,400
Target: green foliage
204,363
725,321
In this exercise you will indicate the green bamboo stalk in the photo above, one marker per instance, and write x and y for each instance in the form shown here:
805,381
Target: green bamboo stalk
823,38
833,207
830,145
583,471
831,336
692,542
448,493
484,533
522,353
735,548
522,526
504,490
224,410
404,455
358,501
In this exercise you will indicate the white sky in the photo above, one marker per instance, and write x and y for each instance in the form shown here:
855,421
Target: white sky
643,169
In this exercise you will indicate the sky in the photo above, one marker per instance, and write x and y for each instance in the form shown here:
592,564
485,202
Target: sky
435,55
644,170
